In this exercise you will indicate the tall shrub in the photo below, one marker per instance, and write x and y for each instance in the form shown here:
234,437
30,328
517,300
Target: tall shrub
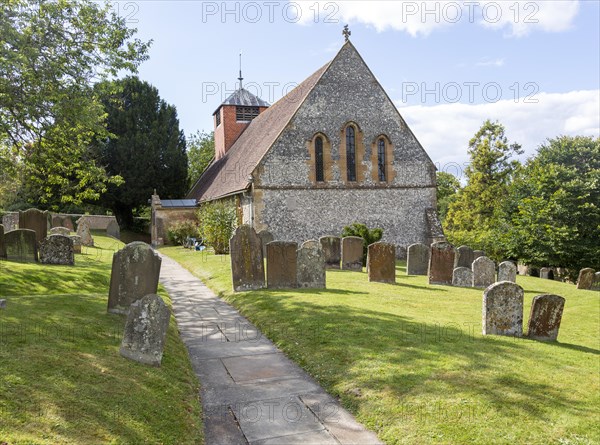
369,236
218,220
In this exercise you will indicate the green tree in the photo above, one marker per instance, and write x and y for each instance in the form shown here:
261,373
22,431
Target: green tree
447,189
369,236
201,151
218,220
148,149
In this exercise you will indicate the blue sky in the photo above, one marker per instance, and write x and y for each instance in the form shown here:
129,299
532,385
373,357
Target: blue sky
534,66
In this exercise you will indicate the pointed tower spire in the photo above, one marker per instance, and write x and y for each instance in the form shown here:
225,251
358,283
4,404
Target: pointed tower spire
240,78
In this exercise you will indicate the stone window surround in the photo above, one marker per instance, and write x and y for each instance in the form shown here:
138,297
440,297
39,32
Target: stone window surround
327,160
389,160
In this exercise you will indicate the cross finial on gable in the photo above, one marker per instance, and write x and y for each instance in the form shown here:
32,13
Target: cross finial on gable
347,33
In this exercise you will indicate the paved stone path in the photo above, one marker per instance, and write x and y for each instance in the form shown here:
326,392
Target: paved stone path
251,393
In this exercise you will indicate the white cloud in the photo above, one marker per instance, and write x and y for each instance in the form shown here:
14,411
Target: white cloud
445,130
490,62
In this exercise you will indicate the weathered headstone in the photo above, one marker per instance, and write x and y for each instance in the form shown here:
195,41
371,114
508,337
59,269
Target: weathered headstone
21,245
507,271
503,309
146,330
477,254
265,238
462,277
2,248
417,261
310,268
596,285
10,221
484,272
135,272
441,263
60,231
68,223
76,243
57,249
57,221
381,262
545,273
586,278
545,316
83,230
247,266
464,257
281,265
332,249
352,253
36,220
113,230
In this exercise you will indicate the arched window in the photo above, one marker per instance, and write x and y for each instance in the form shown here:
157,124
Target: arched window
350,154
381,159
319,167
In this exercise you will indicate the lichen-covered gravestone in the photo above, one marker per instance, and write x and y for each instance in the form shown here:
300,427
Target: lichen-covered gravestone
83,230
332,249
310,268
502,312
462,277
57,249
352,253
135,272
507,271
464,257
586,278
146,330
265,238
76,243
113,230
381,262
417,259
2,248
247,266
545,317
21,245
10,221
36,220
441,263
484,272
282,265
60,231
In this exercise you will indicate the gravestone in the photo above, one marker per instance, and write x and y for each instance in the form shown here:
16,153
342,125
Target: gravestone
586,278
36,220
417,261
135,272
381,262
545,273
331,247
352,253
2,248
113,230
3,304
545,316
281,265
83,230
310,268
464,257
10,221
484,272
507,271
265,238
68,223
477,254
441,263
76,243
60,231
21,245
462,277
247,266
57,221
596,285
57,249
146,330
503,309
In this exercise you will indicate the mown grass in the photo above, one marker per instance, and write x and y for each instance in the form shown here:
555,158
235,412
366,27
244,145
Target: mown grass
410,362
62,379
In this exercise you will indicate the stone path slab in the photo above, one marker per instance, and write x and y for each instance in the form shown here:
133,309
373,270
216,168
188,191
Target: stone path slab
252,394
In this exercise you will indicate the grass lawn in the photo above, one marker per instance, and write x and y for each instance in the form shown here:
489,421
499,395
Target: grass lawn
62,379
410,362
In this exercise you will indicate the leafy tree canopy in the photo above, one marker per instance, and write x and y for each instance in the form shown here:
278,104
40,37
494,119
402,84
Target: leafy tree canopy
201,151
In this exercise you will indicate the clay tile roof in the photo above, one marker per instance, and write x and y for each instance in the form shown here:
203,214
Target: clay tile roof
229,175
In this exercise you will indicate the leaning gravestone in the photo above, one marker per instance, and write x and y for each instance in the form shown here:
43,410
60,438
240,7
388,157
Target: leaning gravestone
331,246
503,309
113,230
83,230
135,272
352,253
417,259
57,249
282,265
462,277
60,231
586,278
381,262
265,238
76,243
484,272
247,266
36,220
545,316
441,263
2,248
146,330
464,257
21,245
310,268
507,271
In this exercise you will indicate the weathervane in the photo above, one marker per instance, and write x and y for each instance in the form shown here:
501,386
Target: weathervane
347,33
240,78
